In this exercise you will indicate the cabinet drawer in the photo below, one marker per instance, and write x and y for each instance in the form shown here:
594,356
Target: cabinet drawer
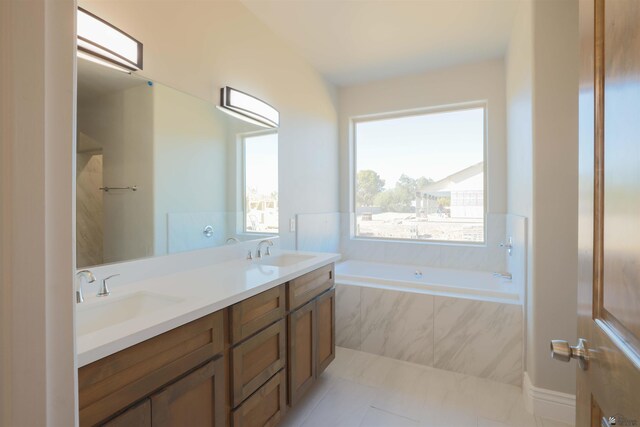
111,384
249,316
256,360
266,407
304,288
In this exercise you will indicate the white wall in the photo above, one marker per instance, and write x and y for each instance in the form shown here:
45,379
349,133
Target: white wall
519,82
197,47
542,129
37,72
190,161
471,82
555,189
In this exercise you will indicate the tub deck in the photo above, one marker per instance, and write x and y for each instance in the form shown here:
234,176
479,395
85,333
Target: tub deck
478,285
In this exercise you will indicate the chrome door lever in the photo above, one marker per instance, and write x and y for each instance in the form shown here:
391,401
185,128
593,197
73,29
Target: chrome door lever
562,351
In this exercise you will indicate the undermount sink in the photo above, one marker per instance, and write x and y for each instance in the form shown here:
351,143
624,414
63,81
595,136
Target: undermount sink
104,313
284,260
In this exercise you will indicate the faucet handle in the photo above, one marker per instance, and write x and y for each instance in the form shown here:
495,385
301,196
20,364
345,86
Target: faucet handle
249,255
104,289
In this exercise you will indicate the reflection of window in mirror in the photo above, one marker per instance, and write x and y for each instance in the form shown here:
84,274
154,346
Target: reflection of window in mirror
260,182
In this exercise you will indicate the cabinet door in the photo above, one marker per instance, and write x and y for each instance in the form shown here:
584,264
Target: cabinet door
302,350
326,330
198,399
136,416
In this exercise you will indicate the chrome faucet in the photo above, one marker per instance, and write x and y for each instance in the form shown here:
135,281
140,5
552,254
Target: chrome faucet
89,277
508,245
104,289
269,243
232,240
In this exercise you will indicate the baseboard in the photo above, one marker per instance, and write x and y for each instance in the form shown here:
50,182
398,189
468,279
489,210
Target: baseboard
548,403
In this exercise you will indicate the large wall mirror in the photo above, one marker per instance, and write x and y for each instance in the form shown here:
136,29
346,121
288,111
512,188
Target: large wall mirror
161,172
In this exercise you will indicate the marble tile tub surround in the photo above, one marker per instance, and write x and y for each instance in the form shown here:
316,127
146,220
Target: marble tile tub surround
487,257
479,338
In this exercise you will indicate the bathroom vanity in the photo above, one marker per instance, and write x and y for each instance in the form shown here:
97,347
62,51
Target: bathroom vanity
241,364
185,341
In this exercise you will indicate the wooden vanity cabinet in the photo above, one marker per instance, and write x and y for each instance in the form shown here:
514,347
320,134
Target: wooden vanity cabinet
239,366
113,390
258,355
311,342
197,399
325,330
302,350
308,286
256,360
266,407
138,415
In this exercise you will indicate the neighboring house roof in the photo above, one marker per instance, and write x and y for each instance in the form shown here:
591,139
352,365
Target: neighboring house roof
467,179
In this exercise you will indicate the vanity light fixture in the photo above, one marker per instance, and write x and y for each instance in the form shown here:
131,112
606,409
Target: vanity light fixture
248,108
101,42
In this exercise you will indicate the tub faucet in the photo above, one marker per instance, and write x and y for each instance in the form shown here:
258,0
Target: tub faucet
508,245
269,243
89,277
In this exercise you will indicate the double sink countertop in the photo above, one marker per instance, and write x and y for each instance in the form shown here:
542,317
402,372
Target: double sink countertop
147,308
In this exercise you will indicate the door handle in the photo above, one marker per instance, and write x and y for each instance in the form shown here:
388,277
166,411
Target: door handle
562,351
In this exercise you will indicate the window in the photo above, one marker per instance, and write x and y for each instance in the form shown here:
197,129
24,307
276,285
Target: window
421,176
261,183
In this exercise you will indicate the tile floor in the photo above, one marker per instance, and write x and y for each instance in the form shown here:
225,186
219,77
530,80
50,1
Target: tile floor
364,390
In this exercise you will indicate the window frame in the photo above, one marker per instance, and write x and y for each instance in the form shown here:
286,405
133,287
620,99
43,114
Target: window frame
353,163
242,137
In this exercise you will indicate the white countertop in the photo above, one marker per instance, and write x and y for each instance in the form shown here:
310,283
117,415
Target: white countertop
197,292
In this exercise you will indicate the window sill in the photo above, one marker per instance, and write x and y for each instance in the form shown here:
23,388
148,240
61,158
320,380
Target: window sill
482,244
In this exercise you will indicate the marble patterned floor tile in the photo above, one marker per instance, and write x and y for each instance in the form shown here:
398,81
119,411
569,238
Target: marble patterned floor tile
362,389
485,422
451,394
348,316
498,401
543,422
368,369
298,414
479,338
343,405
397,324
375,417
404,391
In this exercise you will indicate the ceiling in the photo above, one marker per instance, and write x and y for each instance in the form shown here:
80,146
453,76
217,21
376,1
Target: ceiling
354,41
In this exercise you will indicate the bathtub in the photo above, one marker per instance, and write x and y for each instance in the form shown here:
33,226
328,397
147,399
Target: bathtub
479,285
463,321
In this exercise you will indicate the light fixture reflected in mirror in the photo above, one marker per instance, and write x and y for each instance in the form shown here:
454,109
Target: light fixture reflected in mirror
248,108
106,43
